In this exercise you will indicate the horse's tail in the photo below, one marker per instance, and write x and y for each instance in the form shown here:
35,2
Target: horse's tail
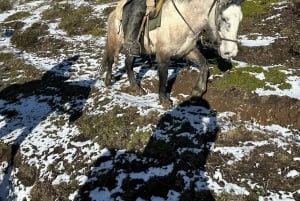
113,42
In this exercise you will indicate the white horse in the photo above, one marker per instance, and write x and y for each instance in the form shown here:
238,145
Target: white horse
182,22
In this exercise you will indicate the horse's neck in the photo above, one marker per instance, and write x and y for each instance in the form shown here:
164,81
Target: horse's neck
189,18
191,10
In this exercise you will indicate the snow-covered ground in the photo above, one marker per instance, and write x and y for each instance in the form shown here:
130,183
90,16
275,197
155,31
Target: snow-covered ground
36,128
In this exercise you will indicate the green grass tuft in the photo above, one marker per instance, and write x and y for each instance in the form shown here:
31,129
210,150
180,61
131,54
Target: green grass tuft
239,79
252,8
117,129
245,79
28,39
275,76
5,5
15,70
78,22
18,16
56,11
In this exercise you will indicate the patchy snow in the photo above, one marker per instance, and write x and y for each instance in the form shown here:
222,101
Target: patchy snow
272,17
293,173
39,133
281,196
294,92
239,152
259,41
227,187
294,81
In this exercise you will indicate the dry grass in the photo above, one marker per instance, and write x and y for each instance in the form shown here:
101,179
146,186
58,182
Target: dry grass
266,166
5,150
79,22
16,25
76,21
18,16
14,70
36,39
43,191
239,135
28,39
117,129
6,5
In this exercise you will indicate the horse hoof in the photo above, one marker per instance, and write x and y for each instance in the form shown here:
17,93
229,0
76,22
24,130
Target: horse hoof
137,90
107,83
166,103
141,91
197,93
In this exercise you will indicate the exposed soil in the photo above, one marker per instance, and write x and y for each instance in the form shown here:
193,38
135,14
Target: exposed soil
265,110
182,135
249,106
285,28
280,110
269,109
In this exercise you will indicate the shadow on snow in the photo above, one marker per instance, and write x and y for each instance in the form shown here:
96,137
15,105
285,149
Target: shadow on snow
25,106
171,167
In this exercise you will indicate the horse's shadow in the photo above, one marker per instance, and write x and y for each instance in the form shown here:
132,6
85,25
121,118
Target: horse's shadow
24,106
171,167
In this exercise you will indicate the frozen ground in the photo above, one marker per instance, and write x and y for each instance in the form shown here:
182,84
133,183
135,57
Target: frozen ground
40,127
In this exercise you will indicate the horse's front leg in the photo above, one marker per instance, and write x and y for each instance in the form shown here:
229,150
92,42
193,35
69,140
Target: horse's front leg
197,58
129,61
163,64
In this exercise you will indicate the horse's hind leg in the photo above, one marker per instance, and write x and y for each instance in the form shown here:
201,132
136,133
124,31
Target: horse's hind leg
129,61
197,58
106,66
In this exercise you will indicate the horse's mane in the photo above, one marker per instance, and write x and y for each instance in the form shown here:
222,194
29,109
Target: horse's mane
224,4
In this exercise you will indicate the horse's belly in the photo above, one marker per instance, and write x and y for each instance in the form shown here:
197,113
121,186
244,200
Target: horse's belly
174,46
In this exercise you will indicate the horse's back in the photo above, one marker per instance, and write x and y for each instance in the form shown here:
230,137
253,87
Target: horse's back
175,35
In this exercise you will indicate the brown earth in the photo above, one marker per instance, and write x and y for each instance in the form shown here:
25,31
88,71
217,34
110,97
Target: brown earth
280,110
286,28
265,110
249,106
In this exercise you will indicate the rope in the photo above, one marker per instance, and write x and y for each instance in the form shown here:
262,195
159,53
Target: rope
183,17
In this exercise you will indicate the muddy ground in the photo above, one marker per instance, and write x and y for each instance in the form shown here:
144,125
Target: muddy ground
283,50
280,110
247,106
